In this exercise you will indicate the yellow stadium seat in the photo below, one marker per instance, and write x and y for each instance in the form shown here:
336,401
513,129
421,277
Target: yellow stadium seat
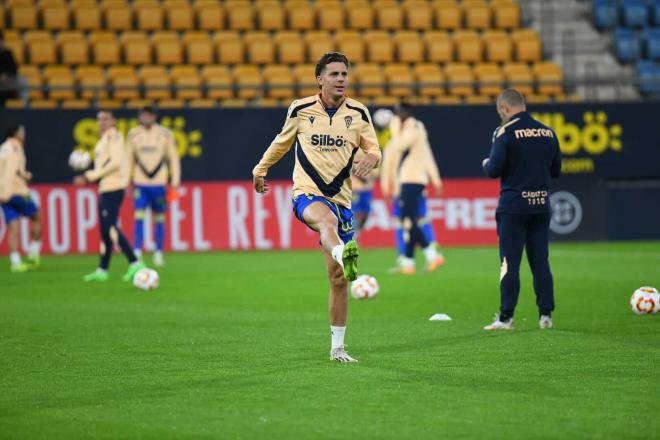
229,46
468,46
350,43
400,79
42,52
49,3
519,76
271,18
200,52
385,101
305,79
537,99
448,14
55,17
210,16
67,36
169,52
119,18
479,100
2,17
136,104
490,78
150,18
202,103
179,17
389,16
419,15
248,80
430,79
126,87
101,36
75,52
188,87
106,52
360,17
91,81
477,14
43,104
87,18
527,44
439,46
301,16
370,80
261,51
498,46
460,79
218,82
105,4
56,70
506,14
75,104
320,42
33,36
171,104
191,36
24,17
279,82
164,36
60,82
241,18
145,72
410,47
16,48
157,87
74,4
549,77
109,104
331,18
11,4
447,100
117,71
290,48
379,47
233,103
183,70
138,52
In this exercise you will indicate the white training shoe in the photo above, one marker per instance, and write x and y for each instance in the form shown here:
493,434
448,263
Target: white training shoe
545,322
500,325
158,259
339,354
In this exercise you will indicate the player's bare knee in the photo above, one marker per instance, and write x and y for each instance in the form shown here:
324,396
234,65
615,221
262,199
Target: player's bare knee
338,281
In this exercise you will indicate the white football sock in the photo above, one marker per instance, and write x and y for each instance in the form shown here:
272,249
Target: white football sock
35,248
15,258
430,252
337,253
337,336
138,253
407,262
99,270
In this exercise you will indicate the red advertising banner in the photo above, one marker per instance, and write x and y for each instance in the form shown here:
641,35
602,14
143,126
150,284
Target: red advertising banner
231,216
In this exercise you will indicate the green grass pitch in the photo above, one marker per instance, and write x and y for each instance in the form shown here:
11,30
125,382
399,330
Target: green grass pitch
235,345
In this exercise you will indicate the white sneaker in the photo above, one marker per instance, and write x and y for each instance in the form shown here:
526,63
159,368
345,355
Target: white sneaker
339,354
545,322
500,325
158,260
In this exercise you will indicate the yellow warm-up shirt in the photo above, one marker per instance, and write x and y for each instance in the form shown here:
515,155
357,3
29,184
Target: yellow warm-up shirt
12,170
325,147
110,162
153,157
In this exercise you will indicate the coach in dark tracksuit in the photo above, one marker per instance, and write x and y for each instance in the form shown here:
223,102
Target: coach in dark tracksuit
525,154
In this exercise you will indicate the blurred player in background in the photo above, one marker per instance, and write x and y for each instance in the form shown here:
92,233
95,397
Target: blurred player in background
363,188
329,129
408,168
111,171
153,161
15,199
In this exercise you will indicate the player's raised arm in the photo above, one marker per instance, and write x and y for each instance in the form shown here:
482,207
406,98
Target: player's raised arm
174,162
369,145
277,149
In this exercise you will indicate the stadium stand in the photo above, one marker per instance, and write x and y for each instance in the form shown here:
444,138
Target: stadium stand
204,52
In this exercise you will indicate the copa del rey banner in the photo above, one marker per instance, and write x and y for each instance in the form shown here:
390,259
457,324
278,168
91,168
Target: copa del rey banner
231,216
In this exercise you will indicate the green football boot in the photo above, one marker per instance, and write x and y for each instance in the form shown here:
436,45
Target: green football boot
19,268
100,276
33,262
350,257
132,270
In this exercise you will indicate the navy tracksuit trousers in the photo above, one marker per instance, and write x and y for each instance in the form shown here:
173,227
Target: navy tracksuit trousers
529,231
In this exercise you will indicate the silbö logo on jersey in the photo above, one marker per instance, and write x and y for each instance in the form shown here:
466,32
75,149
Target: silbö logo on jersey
325,142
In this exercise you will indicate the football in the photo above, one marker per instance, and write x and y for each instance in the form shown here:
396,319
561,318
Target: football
146,279
79,160
364,287
645,300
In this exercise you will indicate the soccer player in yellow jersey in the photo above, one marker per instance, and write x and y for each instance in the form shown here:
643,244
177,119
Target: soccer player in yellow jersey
408,168
15,199
153,162
328,129
111,171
